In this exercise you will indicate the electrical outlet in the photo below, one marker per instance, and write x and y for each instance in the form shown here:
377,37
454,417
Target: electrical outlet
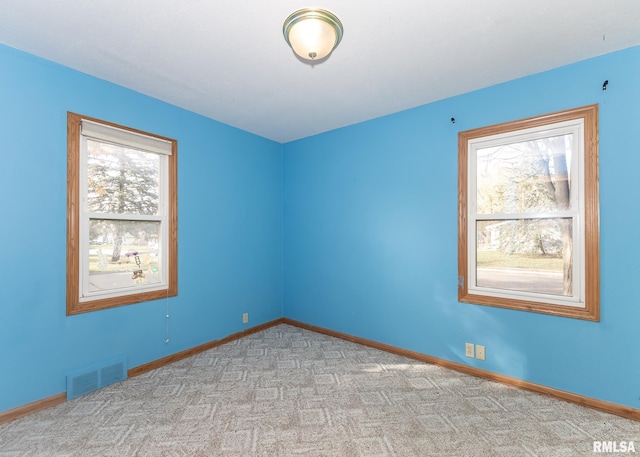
479,352
469,350
245,318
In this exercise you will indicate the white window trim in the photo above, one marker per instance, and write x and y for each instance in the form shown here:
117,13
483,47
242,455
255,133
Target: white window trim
576,129
130,140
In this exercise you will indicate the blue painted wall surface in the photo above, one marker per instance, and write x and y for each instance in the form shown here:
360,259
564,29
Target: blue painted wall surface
370,234
230,231
368,215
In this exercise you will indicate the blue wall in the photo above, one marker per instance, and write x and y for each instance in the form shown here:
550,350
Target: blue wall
230,231
370,230
370,233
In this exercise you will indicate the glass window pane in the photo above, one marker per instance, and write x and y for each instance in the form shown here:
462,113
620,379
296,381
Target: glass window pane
123,254
524,177
121,180
527,255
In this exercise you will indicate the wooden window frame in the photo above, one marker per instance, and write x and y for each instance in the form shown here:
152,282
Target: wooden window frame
74,303
589,216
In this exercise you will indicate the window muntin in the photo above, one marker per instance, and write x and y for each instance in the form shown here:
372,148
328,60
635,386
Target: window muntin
528,215
122,216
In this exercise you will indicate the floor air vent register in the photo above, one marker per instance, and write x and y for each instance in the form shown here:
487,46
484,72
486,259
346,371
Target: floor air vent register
96,377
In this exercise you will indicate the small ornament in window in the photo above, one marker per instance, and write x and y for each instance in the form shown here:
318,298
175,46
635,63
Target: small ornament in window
138,275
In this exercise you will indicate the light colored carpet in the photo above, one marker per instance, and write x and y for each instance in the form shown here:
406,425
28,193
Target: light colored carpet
291,392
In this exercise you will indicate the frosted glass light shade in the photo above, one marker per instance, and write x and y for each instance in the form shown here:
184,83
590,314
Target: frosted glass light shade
312,33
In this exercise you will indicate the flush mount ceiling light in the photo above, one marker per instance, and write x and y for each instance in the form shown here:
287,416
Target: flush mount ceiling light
312,33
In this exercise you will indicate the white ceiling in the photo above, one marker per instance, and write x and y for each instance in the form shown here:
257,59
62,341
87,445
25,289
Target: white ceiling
228,60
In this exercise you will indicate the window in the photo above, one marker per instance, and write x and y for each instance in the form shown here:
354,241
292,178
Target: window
121,215
528,217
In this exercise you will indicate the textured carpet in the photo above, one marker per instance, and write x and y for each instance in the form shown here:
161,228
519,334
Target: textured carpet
292,392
